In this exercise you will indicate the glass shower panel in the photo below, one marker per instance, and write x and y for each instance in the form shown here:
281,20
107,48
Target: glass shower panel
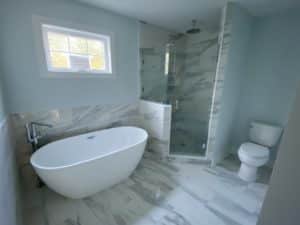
153,77
182,74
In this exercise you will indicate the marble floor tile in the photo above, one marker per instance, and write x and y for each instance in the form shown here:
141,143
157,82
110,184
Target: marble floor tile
162,192
232,163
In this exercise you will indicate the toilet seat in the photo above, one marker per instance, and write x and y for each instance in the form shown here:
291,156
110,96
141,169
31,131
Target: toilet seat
254,150
253,154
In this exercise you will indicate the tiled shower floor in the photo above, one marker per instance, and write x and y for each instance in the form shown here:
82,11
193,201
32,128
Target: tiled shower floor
158,192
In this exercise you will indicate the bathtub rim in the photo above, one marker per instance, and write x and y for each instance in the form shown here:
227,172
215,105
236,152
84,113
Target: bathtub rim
119,150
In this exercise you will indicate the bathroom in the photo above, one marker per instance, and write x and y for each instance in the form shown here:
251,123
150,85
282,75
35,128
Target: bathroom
178,91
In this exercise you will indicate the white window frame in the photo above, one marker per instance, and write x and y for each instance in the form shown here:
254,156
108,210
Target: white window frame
78,30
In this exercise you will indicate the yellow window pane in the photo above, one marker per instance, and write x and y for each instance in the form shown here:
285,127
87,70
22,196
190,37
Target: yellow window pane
57,42
59,60
95,47
78,45
97,62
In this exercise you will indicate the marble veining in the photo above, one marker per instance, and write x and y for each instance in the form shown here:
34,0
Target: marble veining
158,192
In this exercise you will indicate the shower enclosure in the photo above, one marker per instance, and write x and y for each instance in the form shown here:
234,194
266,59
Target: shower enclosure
182,74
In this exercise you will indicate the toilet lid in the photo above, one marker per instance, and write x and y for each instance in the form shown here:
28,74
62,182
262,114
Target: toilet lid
254,150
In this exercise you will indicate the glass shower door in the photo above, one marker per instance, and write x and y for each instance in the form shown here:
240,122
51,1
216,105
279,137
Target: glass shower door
189,91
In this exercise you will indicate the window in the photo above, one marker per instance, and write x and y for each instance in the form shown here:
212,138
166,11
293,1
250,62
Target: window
75,51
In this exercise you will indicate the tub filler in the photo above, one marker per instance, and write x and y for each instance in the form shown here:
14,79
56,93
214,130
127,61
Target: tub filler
83,165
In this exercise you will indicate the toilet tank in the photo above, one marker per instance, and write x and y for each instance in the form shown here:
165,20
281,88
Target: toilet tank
264,134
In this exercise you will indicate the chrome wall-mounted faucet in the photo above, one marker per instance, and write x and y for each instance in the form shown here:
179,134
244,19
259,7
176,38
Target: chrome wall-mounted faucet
32,134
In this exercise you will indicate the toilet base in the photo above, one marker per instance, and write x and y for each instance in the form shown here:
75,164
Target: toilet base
247,172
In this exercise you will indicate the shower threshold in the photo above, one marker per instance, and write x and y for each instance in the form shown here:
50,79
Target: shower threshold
188,158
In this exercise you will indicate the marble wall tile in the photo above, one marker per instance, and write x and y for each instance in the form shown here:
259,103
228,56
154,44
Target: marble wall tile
156,119
69,122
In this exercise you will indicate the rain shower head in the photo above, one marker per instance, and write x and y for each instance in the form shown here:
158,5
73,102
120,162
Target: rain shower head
194,29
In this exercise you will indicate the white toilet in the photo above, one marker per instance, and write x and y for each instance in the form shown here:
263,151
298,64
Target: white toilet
255,153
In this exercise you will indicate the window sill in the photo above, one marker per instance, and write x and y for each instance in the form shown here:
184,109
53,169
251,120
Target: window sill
76,75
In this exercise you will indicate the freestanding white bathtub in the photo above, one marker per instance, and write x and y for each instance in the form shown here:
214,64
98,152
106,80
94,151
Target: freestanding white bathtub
83,165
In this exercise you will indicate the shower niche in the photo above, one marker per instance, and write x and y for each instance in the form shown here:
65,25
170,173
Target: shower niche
181,72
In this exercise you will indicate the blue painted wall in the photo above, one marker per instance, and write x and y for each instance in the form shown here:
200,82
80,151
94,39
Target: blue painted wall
10,207
272,74
238,47
2,106
27,91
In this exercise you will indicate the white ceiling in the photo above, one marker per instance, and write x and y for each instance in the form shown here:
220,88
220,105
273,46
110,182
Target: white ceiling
177,14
